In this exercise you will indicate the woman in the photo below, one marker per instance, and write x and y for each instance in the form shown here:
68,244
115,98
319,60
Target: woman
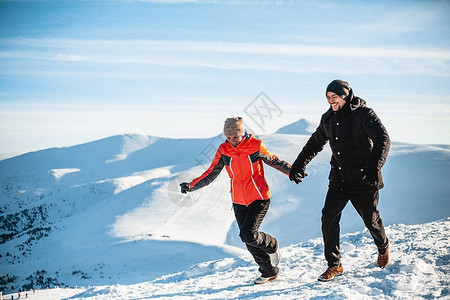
242,155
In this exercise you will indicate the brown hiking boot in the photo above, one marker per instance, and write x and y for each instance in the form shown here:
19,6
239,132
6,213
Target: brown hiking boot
383,259
331,272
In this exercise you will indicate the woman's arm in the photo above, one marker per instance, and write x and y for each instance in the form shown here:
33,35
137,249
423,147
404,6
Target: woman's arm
209,175
273,160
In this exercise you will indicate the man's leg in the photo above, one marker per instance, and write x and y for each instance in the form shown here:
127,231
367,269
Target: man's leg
335,202
366,205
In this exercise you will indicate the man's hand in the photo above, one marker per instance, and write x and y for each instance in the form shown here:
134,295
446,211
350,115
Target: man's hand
370,175
297,175
185,187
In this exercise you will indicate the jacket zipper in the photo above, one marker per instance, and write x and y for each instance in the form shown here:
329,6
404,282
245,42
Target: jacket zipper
254,183
232,180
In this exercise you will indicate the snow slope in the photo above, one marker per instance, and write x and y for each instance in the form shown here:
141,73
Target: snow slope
419,268
109,212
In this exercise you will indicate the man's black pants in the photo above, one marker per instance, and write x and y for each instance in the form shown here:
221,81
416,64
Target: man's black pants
365,204
249,219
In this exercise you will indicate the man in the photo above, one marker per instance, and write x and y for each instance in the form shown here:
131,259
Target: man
359,144
243,155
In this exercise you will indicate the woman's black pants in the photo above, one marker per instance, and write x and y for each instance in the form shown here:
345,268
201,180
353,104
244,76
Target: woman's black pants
249,219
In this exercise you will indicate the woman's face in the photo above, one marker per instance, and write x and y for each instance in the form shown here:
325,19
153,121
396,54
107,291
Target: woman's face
234,140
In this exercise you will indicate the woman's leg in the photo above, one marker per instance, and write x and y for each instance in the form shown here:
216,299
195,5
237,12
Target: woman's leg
259,244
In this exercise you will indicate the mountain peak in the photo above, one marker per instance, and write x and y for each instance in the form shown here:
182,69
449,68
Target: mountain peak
302,126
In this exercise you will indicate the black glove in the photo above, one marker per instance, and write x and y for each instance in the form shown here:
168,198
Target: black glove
370,175
185,187
296,175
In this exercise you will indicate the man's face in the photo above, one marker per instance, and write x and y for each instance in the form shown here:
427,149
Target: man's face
234,140
335,101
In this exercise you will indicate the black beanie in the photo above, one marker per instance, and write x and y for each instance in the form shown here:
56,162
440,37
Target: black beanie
339,87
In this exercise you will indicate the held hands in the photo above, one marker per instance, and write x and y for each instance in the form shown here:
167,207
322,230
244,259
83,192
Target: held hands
185,187
297,174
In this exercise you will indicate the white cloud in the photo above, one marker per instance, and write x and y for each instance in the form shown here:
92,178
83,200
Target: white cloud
142,46
296,58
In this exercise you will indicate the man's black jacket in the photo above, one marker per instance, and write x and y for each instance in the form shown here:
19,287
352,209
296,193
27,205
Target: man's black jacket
359,143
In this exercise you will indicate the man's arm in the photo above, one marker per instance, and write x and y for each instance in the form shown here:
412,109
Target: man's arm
380,138
314,145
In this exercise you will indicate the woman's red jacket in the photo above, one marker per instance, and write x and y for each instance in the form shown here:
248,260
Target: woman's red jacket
244,166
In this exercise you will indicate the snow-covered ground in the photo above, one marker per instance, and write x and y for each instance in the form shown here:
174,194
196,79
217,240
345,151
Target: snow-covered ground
419,268
107,217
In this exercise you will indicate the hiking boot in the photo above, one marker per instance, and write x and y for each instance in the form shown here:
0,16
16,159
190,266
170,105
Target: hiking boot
331,272
383,259
275,258
261,280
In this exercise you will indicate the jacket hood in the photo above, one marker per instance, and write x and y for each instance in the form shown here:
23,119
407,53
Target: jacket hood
354,101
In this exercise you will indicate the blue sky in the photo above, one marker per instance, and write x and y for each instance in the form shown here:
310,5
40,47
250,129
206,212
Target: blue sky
77,71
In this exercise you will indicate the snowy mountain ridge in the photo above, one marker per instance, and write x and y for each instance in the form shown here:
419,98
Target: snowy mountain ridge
110,212
302,126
